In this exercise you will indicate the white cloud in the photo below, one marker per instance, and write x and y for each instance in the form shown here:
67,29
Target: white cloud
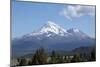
75,11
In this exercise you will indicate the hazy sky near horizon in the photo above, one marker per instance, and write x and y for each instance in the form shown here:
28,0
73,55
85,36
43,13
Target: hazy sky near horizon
29,16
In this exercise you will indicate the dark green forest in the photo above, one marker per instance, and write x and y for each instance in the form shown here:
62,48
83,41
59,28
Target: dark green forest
41,57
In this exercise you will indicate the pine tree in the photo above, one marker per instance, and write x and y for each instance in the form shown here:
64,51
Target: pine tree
40,57
55,57
22,62
93,55
76,58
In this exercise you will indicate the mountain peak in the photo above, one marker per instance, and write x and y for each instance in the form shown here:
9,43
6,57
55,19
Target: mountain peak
51,23
52,27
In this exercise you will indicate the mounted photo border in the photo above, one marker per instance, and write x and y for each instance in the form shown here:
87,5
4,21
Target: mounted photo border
50,3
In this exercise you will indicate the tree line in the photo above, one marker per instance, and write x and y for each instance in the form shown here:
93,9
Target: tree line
42,57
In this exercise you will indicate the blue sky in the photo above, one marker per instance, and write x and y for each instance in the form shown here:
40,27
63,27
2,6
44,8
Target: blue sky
28,17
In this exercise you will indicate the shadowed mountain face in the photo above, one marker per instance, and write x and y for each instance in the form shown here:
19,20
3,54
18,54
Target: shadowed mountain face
52,37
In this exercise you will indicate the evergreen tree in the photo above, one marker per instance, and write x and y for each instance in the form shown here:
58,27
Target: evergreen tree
40,57
76,58
22,62
93,55
55,57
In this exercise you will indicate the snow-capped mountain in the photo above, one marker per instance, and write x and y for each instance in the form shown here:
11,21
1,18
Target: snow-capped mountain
52,27
49,27
52,37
